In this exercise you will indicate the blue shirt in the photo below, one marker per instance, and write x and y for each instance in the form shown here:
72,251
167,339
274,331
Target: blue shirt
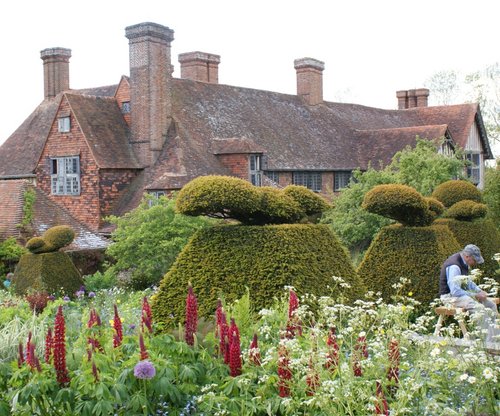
6,283
454,284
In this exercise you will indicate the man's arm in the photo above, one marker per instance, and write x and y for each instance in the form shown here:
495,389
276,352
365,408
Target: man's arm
452,273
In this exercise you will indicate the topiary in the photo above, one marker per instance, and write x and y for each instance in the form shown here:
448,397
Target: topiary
310,202
466,210
399,202
414,253
435,206
275,207
224,260
453,191
53,239
218,196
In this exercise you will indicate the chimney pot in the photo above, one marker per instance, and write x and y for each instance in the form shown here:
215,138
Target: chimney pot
55,70
310,80
422,95
402,97
200,66
412,99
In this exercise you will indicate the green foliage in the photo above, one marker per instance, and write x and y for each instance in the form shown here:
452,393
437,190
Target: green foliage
46,272
53,239
276,207
423,168
491,194
148,239
414,253
28,207
482,233
453,191
466,210
100,280
398,202
223,261
219,196
435,206
10,253
310,202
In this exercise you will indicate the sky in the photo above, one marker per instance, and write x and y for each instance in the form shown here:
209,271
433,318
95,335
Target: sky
371,48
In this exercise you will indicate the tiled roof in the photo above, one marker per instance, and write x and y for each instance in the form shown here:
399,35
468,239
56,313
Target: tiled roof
11,207
105,130
234,146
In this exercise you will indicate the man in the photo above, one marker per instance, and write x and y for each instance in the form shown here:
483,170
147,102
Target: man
457,289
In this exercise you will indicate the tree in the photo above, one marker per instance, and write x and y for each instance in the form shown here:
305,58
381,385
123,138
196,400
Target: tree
491,193
147,240
443,86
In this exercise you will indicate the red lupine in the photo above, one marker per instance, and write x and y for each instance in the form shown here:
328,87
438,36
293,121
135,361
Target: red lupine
95,372
147,316
20,355
361,345
29,350
33,360
60,348
381,406
191,316
49,345
142,346
394,355
332,357
223,334
117,325
94,320
233,330
284,372
293,325
219,315
227,349
254,352
312,379
235,356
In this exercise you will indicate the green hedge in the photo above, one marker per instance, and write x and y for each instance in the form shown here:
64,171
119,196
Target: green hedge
482,233
310,202
276,207
466,210
224,260
416,253
52,272
52,240
451,192
398,202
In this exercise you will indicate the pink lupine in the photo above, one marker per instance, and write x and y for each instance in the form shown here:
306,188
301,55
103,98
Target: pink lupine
60,348
293,325
254,352
147,316
394,355
191,316
49,345
142,346
284,372
235,356
332,356
117,325
381,406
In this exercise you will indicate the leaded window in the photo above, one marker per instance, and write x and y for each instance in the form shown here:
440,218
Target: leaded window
65,175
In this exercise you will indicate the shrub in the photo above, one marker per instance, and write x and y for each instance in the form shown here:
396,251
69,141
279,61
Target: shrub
50,272
435,206
222,261
466,210
399,202
10,252
52,240
453,191
415,253
491,193
276,207
218,196
482,233
310,202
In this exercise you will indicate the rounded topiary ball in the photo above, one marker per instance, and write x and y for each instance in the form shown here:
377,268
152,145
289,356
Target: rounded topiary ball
453,191
59,236
466,210
276,207
435,206
310,202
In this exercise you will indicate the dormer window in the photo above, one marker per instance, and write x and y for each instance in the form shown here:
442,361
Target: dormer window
255,170
65,175
64,124
126,107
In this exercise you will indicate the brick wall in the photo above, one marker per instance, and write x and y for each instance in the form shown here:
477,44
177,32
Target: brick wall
112,184
84,207
122,95
237,164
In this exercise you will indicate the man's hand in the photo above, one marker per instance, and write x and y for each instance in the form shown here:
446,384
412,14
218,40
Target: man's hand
482,295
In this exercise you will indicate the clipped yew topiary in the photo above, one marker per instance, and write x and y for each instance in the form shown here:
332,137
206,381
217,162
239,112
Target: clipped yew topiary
415,253
466,210
310,202
451,192
435,206
46,268
398,202
276,207
482,233
224,260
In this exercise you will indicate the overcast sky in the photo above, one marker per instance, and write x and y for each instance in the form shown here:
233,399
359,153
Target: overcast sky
371,48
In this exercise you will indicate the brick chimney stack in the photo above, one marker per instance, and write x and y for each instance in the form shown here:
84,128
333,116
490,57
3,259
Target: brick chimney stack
150,88
412,98
200,66
310,80
55,70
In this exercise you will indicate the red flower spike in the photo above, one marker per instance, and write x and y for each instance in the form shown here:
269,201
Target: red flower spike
381,406
235,357
144,352
332,357
312,379
223,333
60,348
293,325
362,346
254,352
227,349
29,350
284,372
191,316
219,313
95,372
233,330
20,356
117,325
147,316
394,356
49,346
94,320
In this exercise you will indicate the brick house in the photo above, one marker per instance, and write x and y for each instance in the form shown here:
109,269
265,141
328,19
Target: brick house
94,152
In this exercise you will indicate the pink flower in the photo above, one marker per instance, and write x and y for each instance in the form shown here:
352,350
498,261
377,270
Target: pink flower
49,345
394,355
293,324
235,356
117,325
191,316
381,406
219,315
254,352
60,348
284,372
144,352
147,316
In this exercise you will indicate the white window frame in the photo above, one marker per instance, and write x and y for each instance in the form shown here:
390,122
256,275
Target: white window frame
474,169
125,107
64,124
341,179
65,175
255,169
310,179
